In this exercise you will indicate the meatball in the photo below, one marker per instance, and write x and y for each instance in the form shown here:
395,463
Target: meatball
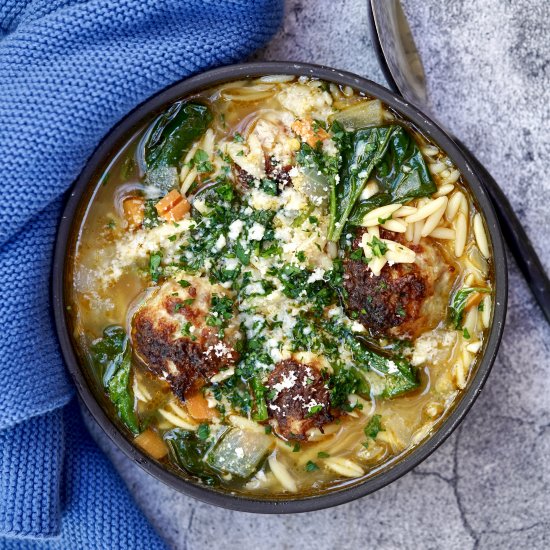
276,172
406,299
171,337
300,400
273,170
243,179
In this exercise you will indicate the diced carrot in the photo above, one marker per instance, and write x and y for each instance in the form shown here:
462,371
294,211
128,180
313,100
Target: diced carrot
168,202
152,444
173,206
179,210
305,129
197,407
134,211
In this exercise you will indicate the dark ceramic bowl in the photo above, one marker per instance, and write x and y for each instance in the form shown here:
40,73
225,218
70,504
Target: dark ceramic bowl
94,401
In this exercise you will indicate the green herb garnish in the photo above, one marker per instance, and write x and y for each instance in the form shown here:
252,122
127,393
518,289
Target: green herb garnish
311,466
155,269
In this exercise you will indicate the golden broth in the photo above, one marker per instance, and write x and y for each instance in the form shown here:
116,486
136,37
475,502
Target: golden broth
107,289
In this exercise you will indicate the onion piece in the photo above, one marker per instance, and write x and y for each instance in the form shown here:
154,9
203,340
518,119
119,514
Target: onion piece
315,186
361,115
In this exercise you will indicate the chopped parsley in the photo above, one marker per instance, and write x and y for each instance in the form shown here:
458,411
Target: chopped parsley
150,215
357,254
374,426
220,313
314,410
155,269
242,254
225,190
344,382
202,162
186,330
311,466
378,247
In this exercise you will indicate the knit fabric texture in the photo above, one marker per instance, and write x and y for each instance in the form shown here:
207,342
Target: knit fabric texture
69,70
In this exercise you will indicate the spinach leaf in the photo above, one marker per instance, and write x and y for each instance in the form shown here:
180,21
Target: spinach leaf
459,301
112,354
188,451
121,396
363,207
174,132
398,375
368,146
203,432
401,174
108,352
400,382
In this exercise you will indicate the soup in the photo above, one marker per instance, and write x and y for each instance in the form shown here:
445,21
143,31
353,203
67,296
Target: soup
280,286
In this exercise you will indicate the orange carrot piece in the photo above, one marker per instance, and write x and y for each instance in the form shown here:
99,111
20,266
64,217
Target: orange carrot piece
152,444
179,210
304,128
197,407
173,206
167,202
134,211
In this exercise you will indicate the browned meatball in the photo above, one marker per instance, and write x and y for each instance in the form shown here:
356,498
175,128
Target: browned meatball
301,399
278,173
171,337
274,171
406,299
243,179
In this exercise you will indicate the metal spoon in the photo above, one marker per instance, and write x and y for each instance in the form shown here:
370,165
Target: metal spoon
402,67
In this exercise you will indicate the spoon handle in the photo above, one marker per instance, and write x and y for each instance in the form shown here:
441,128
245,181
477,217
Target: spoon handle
515,236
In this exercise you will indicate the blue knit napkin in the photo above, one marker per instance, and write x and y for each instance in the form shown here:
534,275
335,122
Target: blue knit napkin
69,70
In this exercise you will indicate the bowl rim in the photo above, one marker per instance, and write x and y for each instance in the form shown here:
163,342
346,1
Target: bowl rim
407,461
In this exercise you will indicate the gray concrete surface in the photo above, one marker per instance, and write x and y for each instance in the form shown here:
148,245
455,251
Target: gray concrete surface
488,486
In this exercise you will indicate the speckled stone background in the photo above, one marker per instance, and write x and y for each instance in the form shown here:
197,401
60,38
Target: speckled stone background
488,486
